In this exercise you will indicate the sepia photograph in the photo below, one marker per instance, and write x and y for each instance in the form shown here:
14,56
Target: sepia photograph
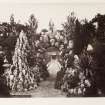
52,49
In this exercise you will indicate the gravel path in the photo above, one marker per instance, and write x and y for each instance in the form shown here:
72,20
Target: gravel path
45,89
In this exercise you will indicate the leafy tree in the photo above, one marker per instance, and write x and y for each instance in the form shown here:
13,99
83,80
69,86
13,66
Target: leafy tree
84,35
51,26
77,38
12,20
69,26
33,23
99,51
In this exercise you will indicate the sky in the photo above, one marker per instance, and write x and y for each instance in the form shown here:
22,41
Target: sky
44,11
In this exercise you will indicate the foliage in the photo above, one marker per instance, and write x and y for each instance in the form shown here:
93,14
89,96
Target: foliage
84,34
21,77
69,26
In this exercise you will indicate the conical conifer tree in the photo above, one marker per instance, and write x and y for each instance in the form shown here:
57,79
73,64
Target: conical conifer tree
22,77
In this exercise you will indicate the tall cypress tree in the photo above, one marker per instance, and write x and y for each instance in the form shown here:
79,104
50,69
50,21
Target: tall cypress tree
21,76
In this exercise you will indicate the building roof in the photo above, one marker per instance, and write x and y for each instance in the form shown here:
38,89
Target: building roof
52,49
